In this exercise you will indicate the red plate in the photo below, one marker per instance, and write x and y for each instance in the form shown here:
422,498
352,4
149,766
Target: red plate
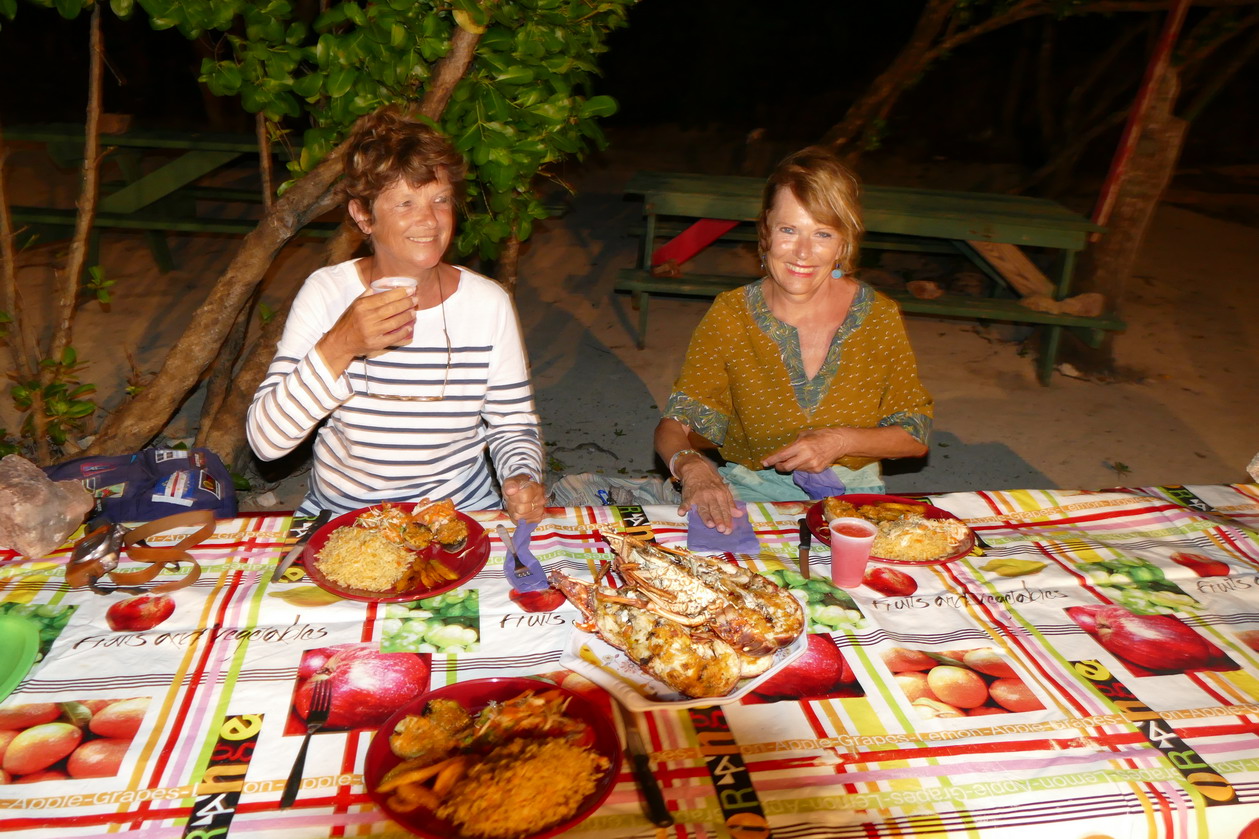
466,563
816,520
475,695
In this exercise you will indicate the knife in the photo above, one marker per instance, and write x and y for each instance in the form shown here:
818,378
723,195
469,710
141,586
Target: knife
653,800
296,551
806,541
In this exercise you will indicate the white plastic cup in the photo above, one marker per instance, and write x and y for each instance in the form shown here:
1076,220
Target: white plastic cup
851,539
387,283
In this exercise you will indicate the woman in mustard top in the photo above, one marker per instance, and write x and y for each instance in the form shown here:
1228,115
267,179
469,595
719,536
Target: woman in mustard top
804,370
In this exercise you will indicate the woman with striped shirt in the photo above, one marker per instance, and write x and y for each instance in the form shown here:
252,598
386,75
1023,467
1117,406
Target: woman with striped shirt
411,388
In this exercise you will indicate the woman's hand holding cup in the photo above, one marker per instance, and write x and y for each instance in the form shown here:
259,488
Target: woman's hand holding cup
374,322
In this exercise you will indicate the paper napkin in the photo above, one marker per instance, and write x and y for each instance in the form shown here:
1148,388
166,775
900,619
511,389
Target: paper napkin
818,485
703,539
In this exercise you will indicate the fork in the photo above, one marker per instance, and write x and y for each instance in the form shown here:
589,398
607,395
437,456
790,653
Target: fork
526,574
316,718
517,564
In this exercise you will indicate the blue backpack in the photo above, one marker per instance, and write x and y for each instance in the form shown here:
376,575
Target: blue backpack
153,483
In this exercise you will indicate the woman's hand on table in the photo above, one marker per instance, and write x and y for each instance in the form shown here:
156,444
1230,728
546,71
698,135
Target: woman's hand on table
813,450
524,498
705,491
373,322
816,449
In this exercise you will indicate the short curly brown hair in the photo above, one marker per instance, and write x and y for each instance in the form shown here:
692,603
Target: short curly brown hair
388,146
826,188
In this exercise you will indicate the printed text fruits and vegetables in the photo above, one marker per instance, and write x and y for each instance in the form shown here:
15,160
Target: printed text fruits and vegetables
367,686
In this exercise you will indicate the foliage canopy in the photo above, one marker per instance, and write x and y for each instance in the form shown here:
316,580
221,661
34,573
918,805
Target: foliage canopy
524,104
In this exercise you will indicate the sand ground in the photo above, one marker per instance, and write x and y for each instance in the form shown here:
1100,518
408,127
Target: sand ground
1184,412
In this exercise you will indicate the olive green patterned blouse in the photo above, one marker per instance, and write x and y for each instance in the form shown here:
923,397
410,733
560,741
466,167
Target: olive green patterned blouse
743,385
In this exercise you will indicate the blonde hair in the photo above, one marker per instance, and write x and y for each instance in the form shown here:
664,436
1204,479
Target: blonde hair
387,146
826,188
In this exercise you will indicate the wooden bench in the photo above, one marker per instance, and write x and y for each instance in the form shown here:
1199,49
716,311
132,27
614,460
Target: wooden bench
896,218
163,200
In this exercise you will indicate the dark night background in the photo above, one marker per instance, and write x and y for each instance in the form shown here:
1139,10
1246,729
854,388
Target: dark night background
703,64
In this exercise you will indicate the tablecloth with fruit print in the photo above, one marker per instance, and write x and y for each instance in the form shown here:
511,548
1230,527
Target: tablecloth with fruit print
989,696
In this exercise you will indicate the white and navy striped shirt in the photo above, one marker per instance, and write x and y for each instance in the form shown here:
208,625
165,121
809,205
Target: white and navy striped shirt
372,450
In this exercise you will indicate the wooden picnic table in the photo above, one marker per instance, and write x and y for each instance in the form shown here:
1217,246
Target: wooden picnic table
896,218
158,201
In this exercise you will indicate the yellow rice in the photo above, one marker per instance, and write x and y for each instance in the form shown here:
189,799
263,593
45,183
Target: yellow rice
523,787
918,539
362,559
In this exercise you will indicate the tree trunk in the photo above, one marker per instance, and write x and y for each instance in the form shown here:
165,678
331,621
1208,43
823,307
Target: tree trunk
224,432
19,339
221,374
142,417
1106,267
879,98
508,271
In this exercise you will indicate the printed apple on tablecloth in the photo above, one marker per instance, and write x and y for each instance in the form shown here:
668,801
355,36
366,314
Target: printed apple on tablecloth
820,673
367,685
1150,645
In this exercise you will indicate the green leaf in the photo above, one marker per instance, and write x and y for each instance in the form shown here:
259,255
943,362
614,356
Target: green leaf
254,98
308,87
469,138
477,13
69,357
597,106
68,9
296,34
78,410
354,13
497,39
550,112
340,80
226,79
515,74
326,48
327,20
122,8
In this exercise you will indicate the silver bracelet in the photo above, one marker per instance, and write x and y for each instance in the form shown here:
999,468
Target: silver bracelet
673,460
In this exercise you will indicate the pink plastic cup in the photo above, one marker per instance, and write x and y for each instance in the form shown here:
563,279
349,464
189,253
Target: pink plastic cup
850,550
387,283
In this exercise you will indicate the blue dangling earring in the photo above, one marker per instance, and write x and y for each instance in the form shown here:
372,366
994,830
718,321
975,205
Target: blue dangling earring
837,273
